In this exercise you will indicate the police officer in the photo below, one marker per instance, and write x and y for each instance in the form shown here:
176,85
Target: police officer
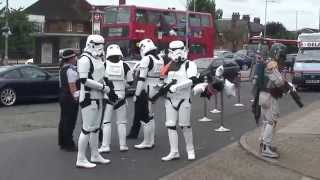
69,95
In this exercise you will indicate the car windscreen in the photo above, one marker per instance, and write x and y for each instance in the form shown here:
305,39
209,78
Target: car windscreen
3,68
308,55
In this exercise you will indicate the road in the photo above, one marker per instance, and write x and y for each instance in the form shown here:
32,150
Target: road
29,148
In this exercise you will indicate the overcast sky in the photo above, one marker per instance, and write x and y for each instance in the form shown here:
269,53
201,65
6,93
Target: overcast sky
283,11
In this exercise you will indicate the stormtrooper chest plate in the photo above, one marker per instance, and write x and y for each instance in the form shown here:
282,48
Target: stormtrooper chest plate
114,71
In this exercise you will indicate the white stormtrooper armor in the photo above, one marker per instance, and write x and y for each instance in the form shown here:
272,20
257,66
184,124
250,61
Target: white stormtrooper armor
119,74
149,80
177,103
91,72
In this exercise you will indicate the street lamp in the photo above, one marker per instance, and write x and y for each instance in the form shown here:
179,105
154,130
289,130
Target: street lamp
265,17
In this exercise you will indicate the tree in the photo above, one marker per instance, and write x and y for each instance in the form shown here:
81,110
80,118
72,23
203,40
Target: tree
20,42
277,30
208,6
219,14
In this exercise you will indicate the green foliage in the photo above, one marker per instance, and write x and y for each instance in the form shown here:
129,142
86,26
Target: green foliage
21,43
208,6
278,31
219,14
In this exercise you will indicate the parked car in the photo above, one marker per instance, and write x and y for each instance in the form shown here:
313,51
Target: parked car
231,68
20,82
222,53
243,61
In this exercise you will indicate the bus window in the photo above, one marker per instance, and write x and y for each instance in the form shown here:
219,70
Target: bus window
169,18
116,15
110,15
205,20
197,49
141,16
181,24
154,17
123,15
194,20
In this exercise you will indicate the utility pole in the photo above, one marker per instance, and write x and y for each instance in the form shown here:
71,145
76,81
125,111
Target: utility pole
265,17
187,25
194,5
6,35
297,21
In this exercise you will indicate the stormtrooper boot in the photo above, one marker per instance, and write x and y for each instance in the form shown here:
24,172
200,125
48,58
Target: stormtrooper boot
105,147
95,155
122,137
147,139
152,124
82,161
267,152
173,140
188,136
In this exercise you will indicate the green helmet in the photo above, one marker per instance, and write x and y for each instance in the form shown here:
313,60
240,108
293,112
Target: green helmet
278,52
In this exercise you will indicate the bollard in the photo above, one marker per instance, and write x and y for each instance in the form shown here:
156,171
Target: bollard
222,128
238,104
205,107
215,110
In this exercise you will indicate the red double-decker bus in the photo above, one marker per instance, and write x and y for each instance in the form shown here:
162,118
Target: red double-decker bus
127,25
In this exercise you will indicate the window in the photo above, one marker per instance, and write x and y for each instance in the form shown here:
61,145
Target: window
181,24
116,15
14,74
141,16
154,17
79,27
169,18
69,26
123,15
205,21
194,20
110,15
32,73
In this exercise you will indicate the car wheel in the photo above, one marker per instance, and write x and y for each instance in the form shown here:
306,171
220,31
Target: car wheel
8,97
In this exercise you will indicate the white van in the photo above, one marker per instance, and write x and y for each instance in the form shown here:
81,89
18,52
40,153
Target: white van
307,64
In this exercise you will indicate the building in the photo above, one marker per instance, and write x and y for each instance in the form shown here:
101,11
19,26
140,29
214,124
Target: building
234,33
60,24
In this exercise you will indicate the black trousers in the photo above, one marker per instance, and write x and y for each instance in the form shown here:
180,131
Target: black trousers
141,113
68,117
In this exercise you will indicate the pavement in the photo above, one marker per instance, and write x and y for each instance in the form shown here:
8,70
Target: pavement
298,142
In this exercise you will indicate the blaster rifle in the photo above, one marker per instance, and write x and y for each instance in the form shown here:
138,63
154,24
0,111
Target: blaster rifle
164,89
293,93
112,94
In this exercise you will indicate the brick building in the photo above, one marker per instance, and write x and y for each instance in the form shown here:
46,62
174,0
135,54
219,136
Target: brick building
60,24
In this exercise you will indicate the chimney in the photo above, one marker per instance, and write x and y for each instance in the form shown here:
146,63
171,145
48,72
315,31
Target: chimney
246,17
256,20
122,2
235,16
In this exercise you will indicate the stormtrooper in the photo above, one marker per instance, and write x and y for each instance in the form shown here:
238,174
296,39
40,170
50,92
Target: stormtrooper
91,71
118,74
177,102
149,81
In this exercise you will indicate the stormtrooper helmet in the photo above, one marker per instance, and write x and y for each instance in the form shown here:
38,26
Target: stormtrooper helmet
114,53
146,46
177,51
95,45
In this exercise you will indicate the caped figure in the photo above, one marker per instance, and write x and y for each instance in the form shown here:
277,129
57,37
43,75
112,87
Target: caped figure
68,99
182,75
117,74
91,71
149,81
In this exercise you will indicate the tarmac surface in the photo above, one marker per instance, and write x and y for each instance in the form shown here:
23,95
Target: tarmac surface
297,140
